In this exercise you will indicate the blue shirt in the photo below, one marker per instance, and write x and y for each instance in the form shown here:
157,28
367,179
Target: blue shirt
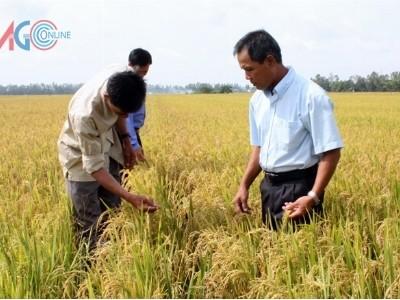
293,124
135,121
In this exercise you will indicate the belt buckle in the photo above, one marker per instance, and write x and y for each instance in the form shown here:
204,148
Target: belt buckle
272,175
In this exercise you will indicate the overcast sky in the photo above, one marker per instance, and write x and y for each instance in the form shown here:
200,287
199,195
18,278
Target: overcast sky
192,40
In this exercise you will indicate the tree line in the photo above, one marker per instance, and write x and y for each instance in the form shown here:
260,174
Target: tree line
373,82
39,89
67,88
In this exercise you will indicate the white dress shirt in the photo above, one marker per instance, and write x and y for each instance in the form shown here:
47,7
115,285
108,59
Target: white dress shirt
294,124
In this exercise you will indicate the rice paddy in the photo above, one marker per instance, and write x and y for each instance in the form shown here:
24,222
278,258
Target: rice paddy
197,147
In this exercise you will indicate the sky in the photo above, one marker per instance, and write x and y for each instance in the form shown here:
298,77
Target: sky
192,40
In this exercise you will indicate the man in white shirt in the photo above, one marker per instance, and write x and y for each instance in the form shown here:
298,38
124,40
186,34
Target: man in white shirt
293,133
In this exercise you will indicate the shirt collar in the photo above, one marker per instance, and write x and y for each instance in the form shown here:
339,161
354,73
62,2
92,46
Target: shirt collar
282,86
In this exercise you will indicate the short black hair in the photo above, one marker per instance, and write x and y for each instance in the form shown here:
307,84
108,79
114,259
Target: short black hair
259,44
140,57
127,91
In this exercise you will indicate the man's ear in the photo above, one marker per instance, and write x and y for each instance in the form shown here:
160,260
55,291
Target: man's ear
270,60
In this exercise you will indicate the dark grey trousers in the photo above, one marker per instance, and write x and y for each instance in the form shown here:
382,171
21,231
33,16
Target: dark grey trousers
275,194
90,203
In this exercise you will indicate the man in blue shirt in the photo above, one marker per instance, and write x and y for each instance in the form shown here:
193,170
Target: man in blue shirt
293,133
140,61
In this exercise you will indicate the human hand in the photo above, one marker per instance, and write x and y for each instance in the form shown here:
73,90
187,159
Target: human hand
139,154
240,201
129,154
299,207
143,203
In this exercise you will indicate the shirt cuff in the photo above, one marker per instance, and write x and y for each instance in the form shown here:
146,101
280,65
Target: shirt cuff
93,163
331,146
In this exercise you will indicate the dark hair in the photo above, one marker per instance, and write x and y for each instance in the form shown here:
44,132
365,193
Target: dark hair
127,91
139,57
259,45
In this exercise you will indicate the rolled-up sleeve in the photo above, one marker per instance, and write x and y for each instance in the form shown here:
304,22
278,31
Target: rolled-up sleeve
130,124
322,125
90,144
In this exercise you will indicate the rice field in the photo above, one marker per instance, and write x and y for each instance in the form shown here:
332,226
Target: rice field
195,247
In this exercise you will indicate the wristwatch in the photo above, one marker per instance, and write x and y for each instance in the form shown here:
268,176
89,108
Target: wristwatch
124,136
314,196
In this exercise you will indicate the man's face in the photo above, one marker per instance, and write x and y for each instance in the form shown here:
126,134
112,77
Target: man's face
113,108
141,70
261,75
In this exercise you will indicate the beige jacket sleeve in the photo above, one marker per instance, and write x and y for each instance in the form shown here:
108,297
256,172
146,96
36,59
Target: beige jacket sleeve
90,143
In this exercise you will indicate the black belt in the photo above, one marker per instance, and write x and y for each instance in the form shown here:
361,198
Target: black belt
291,175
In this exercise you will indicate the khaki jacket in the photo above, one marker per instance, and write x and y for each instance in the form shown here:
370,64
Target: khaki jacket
88,138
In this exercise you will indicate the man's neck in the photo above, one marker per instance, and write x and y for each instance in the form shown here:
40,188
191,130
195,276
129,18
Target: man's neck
281,72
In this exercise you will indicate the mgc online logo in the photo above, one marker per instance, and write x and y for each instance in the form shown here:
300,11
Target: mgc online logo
43,35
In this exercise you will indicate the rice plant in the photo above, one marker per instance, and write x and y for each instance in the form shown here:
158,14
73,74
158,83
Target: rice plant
196,247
